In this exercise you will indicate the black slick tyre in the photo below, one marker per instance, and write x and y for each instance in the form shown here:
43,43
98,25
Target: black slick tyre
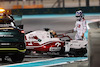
18,57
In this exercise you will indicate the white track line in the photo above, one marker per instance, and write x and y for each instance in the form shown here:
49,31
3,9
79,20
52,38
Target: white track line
30,62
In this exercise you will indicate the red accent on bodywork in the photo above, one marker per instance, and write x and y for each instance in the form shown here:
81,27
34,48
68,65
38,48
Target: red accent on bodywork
33,44
35,37
45,47
25,38
27,43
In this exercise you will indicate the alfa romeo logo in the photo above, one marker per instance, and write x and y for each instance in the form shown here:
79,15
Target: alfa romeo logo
58,44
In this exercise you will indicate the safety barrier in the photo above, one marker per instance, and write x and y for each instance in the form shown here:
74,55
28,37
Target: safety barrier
55,10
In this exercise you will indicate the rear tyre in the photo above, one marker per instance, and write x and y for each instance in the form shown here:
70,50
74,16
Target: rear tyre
18,57
78,52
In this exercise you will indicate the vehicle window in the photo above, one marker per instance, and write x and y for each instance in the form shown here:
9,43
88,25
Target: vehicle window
5,22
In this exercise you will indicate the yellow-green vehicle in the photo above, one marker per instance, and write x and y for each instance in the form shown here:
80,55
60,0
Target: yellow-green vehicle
11,40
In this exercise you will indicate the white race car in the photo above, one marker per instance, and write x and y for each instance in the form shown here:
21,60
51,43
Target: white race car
44,42
74,47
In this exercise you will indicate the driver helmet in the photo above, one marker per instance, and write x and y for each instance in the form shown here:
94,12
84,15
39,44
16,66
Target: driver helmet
53,33
79,15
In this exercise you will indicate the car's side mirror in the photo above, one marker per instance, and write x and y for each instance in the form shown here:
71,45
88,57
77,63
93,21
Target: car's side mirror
20,26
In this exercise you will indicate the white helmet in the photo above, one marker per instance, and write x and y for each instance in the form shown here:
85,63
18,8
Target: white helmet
79,15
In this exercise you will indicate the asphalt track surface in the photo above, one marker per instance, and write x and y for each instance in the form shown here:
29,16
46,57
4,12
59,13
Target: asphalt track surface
59,24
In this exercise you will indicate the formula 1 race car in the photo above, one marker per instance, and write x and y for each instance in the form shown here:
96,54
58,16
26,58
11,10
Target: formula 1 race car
75,47
44,42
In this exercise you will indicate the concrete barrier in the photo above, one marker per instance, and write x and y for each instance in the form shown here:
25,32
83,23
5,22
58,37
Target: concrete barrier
94,47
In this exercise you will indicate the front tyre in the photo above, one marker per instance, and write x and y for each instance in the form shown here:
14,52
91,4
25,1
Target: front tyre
18,57
62,51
